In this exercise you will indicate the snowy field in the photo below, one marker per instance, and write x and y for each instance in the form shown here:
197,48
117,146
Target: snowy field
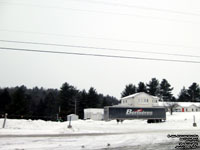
89,134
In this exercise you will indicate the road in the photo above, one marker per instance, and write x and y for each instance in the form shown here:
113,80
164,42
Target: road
98,134
85,141
158,146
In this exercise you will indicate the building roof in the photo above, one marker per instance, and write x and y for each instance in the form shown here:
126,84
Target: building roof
128,106
94,110
133,95
183,104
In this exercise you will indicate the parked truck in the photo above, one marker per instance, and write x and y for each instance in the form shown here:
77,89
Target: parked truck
120,113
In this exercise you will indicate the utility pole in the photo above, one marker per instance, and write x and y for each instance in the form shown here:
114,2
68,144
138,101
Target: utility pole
194,124
75,107
59,109
58,114
4,122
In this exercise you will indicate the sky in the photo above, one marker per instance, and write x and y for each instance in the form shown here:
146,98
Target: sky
139,28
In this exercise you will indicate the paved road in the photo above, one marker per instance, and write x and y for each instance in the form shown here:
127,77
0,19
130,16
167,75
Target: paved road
96,134
62,141
159,146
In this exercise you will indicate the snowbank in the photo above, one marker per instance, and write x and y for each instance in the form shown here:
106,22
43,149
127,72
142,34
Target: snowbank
177,121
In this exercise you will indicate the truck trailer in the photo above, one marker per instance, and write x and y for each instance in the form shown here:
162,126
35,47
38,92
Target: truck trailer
120,113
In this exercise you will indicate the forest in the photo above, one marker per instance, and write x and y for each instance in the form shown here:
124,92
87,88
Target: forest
51,104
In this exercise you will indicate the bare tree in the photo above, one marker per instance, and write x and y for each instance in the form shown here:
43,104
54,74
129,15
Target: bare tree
171,106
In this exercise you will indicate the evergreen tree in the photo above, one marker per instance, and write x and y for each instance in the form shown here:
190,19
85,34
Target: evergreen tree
194,92
110,101
19,105
141,87
68,95
36,104
50,103
105,102
41,107
93,98
184,95
165,91
82,103
5,101
129,89
153,87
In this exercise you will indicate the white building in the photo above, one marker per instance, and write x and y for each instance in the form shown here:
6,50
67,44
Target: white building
183,106
94,113
141,99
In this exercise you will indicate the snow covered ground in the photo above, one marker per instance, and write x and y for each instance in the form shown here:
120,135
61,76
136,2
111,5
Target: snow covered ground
89,134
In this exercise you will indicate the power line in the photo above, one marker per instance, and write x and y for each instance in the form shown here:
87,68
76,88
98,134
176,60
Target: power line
98,48
135,6
103,12
142,7
100,38
97,55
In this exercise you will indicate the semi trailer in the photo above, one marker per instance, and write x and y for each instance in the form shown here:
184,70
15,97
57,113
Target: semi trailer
120,113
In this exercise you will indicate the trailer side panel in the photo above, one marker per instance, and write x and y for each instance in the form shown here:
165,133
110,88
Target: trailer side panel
123,113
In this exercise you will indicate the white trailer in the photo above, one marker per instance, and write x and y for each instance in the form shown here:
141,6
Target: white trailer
94,113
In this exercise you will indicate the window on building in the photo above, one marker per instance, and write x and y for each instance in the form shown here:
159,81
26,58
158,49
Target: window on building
192,109
154,101
196,109
186,109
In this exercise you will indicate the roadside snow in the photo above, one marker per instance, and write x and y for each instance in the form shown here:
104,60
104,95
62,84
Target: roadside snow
134,132
177,121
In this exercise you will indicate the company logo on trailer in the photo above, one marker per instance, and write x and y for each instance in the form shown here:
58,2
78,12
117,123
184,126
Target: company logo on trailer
138,112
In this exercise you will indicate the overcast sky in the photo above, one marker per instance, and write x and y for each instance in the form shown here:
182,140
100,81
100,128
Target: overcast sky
170,26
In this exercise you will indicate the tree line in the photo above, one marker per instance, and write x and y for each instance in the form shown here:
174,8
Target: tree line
49,104
163,90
